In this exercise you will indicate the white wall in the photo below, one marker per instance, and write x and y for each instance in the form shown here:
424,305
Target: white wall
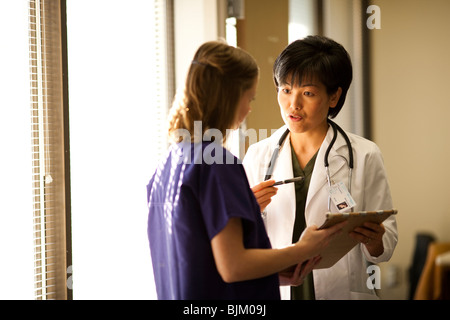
196,21
341,19
410,69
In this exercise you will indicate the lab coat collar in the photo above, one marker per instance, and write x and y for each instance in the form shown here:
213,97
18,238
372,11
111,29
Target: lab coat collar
283,166
285,171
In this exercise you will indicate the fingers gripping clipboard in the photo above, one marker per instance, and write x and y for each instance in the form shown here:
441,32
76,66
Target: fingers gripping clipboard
341,244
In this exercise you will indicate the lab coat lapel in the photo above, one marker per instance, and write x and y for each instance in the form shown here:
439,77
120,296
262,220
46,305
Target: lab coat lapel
284,162
318,186
284,201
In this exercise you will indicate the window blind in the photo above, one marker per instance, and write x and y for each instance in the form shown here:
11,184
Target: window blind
48,177
165,68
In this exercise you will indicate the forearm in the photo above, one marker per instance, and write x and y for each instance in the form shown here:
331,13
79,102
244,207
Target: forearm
258,263
236,263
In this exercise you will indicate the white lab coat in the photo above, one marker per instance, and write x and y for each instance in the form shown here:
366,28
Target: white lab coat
370,190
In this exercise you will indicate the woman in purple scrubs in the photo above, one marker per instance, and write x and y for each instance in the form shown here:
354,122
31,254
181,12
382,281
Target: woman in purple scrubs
207,238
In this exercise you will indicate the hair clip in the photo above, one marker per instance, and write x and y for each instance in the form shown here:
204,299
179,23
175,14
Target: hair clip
199,63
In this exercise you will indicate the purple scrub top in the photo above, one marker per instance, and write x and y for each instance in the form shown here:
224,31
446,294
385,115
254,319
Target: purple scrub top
191,196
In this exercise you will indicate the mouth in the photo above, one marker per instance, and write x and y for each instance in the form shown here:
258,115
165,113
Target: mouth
294,117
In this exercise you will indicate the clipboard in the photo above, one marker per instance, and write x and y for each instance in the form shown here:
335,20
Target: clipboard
342,243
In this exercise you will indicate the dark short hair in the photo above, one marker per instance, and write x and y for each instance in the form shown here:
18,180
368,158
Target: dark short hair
315,57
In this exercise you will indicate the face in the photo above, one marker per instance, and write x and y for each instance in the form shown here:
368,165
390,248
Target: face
244,104
304,107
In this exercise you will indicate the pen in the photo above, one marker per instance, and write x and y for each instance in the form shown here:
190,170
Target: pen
288,181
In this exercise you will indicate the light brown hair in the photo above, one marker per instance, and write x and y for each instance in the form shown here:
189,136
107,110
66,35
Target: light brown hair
218,76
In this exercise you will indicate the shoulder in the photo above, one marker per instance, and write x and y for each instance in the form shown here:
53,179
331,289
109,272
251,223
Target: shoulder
219,161
258,156
363,144
266,145
366,151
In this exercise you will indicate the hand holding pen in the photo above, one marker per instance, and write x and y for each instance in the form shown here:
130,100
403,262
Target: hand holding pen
297,179
265,190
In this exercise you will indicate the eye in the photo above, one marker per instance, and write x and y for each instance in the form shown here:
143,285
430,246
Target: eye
308,94
286,90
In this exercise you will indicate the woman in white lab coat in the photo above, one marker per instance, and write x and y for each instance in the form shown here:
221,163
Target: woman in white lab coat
312,77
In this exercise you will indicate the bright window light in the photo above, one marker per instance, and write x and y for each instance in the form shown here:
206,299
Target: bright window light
113,146
16,209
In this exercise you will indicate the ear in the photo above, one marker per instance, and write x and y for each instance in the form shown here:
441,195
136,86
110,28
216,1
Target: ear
334,98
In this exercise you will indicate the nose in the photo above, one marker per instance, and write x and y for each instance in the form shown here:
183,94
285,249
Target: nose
296,101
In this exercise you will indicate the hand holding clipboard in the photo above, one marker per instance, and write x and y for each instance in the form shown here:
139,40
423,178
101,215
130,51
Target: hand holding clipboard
343,242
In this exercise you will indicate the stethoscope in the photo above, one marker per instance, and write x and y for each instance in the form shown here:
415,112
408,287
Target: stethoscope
335,128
